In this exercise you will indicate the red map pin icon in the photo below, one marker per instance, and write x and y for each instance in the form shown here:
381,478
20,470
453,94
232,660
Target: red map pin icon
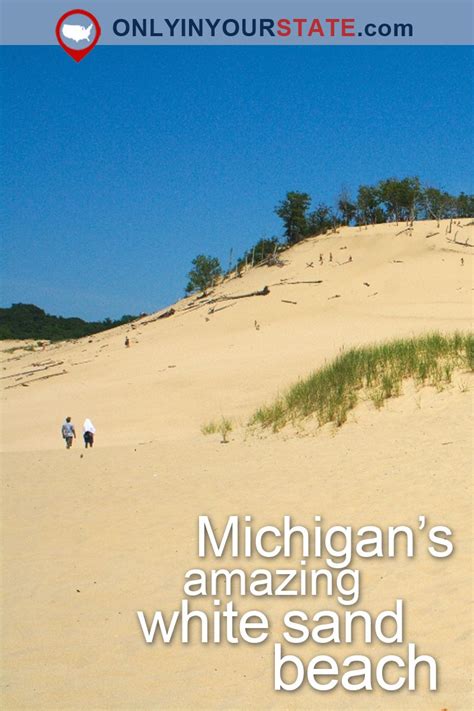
78,32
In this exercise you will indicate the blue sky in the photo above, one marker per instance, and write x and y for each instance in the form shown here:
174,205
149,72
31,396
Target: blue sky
119,170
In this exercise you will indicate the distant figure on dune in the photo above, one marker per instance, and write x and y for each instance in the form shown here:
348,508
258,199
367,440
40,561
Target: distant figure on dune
127,342
88,430
68,432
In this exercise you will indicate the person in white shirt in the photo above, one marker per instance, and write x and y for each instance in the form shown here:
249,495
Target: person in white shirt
88,430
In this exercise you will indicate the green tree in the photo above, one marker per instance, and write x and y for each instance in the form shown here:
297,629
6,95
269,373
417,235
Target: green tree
368,205
401,197
292,210
320,220
437,204
412,196
346,207
464,205
390,194
203,276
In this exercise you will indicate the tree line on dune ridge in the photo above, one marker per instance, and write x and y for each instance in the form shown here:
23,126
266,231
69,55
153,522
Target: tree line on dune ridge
390,200
21,321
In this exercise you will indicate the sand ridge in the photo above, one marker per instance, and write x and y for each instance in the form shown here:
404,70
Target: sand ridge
194,365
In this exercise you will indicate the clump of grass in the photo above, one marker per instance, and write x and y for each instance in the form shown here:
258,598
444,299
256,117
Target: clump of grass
209,428
223,426
375,370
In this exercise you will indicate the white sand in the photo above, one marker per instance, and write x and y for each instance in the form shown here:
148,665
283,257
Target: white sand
120,523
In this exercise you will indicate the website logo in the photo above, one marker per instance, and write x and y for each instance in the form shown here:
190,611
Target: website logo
78,32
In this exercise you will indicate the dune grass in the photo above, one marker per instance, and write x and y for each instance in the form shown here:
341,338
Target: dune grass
374,371
223,426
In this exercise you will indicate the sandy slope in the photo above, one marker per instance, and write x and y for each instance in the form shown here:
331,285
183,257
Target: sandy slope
119,523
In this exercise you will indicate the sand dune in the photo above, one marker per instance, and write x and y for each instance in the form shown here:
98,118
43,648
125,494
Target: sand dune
86,539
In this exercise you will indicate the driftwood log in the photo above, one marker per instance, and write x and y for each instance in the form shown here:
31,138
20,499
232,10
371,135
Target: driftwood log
271,261
291,283
25,373
214,310
26,383
260,292
165,314
460,244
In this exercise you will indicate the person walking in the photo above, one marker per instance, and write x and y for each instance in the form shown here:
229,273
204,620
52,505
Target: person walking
88,430
68,432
